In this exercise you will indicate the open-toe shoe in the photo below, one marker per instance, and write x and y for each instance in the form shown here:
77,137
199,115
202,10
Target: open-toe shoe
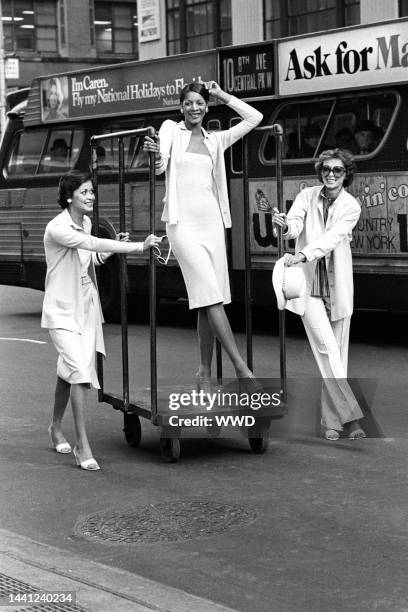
87,464
357,434
203,383
331,434
249,384
61,447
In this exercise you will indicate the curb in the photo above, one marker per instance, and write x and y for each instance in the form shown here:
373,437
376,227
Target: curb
98,587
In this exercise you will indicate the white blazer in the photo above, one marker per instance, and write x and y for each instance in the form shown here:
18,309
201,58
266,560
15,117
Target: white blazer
63,301
306,223
174,141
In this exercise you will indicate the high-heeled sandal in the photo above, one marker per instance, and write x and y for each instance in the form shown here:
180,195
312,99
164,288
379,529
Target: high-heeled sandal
331,434
249,384
203,383
88,464
357,434
61,447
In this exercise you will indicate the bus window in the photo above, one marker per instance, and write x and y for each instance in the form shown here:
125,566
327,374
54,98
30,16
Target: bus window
213,125
360,122
304,126
26,152
63,147
134,156
137,159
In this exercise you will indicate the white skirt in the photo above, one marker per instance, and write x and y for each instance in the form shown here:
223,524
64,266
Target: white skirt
77,351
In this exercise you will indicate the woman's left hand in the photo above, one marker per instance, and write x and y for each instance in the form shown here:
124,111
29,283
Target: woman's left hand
293,260
218,94
152,241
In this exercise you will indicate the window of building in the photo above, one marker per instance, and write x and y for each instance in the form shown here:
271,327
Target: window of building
193,25
291,17
115,28
29,25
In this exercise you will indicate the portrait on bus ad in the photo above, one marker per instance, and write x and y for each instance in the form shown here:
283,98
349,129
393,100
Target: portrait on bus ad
54,99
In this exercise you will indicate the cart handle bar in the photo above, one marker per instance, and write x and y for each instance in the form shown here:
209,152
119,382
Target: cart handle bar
150,131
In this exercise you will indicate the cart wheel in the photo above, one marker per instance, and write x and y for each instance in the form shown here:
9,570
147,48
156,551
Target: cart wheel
259,443
170,449
132,429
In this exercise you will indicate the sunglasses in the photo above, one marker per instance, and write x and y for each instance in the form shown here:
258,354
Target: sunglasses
338,171
158,254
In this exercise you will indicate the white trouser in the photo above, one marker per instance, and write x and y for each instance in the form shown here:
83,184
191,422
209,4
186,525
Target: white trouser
329,342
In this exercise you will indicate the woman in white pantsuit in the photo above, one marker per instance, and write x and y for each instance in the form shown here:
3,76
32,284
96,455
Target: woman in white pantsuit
196,212
71,309
322,219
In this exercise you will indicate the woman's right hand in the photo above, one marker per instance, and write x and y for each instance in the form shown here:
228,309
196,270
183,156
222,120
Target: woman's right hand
152,145
279,218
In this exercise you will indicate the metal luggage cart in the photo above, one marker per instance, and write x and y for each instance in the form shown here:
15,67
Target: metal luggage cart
259,439
169,441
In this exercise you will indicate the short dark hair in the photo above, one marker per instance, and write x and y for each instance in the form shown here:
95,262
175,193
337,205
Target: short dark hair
69,183
100,151
199,88
344,156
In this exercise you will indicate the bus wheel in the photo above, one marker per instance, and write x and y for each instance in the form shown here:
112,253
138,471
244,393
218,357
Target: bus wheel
132,429
170,449
109,289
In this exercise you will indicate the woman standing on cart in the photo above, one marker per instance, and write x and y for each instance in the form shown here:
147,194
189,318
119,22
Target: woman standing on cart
71,309
322,219
196,212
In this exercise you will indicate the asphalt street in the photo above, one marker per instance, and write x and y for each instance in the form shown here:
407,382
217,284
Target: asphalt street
309,525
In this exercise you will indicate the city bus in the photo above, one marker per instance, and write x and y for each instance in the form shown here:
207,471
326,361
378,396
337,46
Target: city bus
324,89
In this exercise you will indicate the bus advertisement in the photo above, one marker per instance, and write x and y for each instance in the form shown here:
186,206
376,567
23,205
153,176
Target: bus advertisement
324,90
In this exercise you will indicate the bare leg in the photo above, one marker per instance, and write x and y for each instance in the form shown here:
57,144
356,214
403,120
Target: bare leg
205,342
61,397
222,330
78,402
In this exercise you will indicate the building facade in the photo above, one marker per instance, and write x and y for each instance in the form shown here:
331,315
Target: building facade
51,36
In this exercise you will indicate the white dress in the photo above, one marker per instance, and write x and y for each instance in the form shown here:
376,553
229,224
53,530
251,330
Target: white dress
198,239
77,351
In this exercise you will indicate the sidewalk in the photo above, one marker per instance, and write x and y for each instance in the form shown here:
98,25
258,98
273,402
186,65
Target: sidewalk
36,567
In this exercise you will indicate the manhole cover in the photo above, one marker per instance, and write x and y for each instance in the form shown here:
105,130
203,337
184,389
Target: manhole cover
163,522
